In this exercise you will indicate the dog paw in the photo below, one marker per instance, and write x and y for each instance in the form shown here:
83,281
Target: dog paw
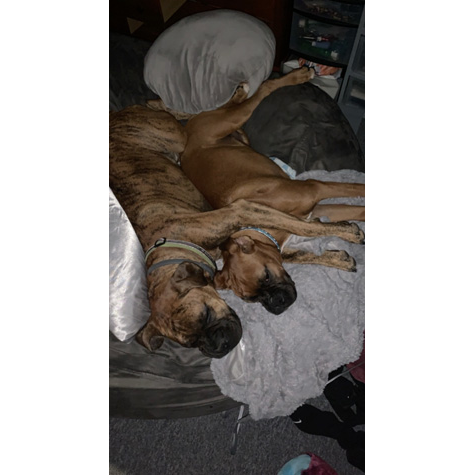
360,235
244,86
342,260
357,234
350,264
241,92
351,232
301,75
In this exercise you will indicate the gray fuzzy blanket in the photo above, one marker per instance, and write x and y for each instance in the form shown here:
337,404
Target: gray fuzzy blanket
283,360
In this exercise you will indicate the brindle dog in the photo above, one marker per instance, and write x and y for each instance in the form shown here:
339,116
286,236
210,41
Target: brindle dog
162,203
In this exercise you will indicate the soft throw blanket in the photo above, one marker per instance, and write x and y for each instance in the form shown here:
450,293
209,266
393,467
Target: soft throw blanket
284,359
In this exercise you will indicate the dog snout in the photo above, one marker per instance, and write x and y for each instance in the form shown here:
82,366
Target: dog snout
221,340
280,299
222,337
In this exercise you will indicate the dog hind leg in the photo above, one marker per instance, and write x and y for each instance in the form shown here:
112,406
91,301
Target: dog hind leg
338,212
222,122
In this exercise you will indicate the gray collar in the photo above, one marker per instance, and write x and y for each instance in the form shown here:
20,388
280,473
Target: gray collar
210,265
168,262
265,233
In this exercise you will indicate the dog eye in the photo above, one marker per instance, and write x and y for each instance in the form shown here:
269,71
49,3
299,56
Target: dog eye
207,315
267,278
253,298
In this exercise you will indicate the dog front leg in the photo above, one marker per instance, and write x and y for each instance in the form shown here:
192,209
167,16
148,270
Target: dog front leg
249,212
337,259
212,228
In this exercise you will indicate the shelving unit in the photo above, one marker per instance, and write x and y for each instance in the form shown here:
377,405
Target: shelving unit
352,95
325,32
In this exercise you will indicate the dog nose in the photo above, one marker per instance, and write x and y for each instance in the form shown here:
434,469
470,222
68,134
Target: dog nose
278,299
281,299
221,341
223,337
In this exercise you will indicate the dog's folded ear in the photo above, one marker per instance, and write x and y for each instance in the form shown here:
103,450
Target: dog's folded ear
150,337
188,276
222,280
245,244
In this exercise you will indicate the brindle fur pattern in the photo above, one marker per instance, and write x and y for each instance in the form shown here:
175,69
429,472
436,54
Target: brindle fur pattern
156,196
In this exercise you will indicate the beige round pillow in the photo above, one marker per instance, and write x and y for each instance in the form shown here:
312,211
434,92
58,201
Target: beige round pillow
197,63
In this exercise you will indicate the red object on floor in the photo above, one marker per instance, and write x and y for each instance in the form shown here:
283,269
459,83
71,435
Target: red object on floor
318,466
358,372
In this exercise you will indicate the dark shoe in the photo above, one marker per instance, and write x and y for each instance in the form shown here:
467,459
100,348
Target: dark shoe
347,400
311,420
314,421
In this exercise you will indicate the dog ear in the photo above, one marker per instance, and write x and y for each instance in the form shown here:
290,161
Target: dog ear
221,279
150,337
188,276
245,243
232,245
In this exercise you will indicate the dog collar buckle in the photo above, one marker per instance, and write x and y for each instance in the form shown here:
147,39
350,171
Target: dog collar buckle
158,243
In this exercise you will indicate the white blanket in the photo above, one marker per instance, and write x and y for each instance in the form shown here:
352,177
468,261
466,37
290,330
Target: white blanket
283,360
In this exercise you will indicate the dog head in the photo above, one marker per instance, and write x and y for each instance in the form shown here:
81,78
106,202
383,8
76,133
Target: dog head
186,308
253,270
